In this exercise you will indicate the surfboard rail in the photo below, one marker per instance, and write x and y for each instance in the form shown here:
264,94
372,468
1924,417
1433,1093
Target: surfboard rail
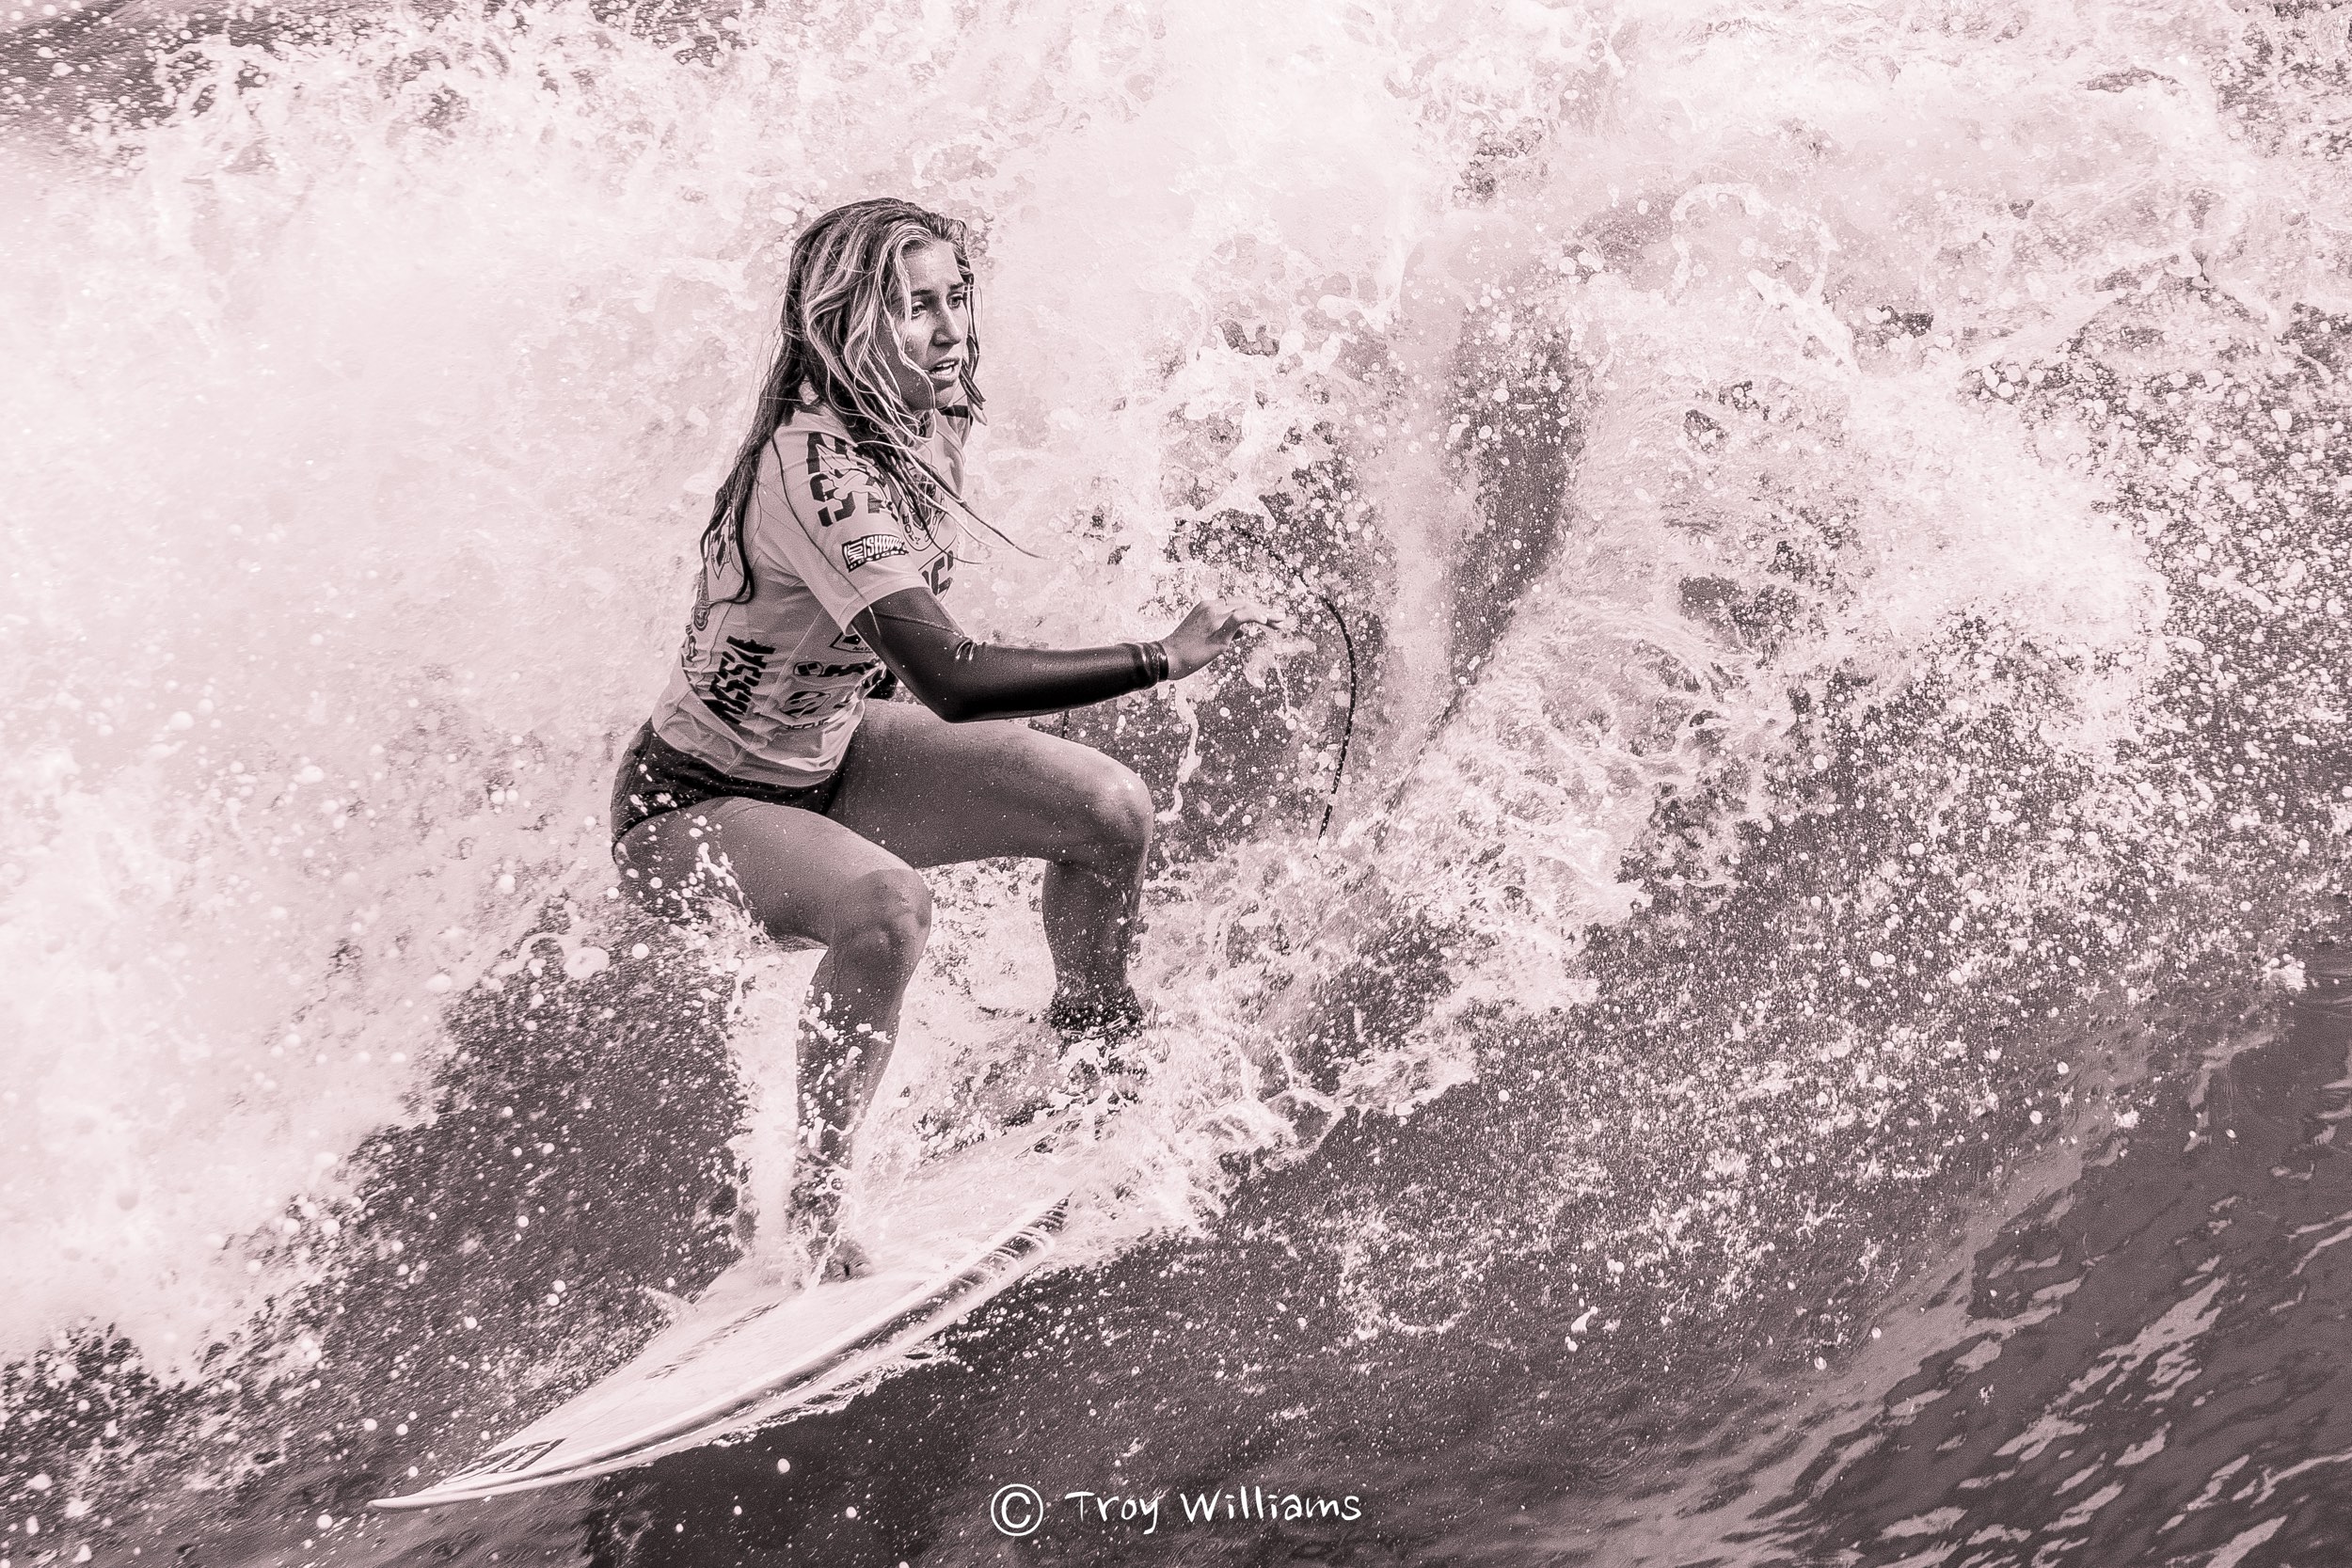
521,1463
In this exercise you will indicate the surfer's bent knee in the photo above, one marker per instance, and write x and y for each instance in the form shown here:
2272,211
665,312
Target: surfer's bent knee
882,917
1116,808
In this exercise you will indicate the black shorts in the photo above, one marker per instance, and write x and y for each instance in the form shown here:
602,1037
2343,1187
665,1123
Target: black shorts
655,776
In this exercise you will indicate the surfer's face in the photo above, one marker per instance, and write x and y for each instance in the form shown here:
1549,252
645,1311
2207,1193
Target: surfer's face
933,327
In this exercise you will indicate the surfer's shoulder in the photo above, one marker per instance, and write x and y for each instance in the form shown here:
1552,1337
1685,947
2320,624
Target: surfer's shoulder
814,431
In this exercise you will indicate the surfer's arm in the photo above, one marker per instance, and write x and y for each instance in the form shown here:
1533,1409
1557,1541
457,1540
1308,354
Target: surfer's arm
962,679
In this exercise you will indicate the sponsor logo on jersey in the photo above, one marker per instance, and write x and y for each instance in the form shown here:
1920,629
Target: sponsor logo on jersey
810,669
871,547
741,665
837,476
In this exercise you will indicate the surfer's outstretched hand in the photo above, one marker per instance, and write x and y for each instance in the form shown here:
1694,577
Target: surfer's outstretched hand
1212,628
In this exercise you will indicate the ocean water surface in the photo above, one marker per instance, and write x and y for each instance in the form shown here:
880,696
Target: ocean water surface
1760,977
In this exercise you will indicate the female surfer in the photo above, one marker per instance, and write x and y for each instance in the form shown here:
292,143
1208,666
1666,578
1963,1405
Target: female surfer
771,777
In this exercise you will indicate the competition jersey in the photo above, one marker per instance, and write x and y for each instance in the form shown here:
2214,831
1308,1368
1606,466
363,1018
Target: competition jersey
771,687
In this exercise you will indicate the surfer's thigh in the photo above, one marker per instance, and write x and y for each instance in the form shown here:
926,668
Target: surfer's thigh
800,877
933,793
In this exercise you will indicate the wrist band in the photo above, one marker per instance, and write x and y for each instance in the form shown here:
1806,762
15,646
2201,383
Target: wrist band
1150,661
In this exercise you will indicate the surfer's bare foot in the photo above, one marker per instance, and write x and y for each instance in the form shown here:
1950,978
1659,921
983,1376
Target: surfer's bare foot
826,1254
804,1258
1092,1029
819,1254
1109,1018
846,1260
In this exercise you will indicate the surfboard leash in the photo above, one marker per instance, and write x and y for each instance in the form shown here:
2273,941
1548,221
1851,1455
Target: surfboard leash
1347,643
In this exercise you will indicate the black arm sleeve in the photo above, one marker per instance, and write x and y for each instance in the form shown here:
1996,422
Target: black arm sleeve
961,680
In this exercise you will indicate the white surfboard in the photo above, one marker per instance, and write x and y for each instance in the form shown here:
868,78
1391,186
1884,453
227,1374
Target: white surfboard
748,1353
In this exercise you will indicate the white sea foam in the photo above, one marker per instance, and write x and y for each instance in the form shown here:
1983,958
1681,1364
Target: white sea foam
366,415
